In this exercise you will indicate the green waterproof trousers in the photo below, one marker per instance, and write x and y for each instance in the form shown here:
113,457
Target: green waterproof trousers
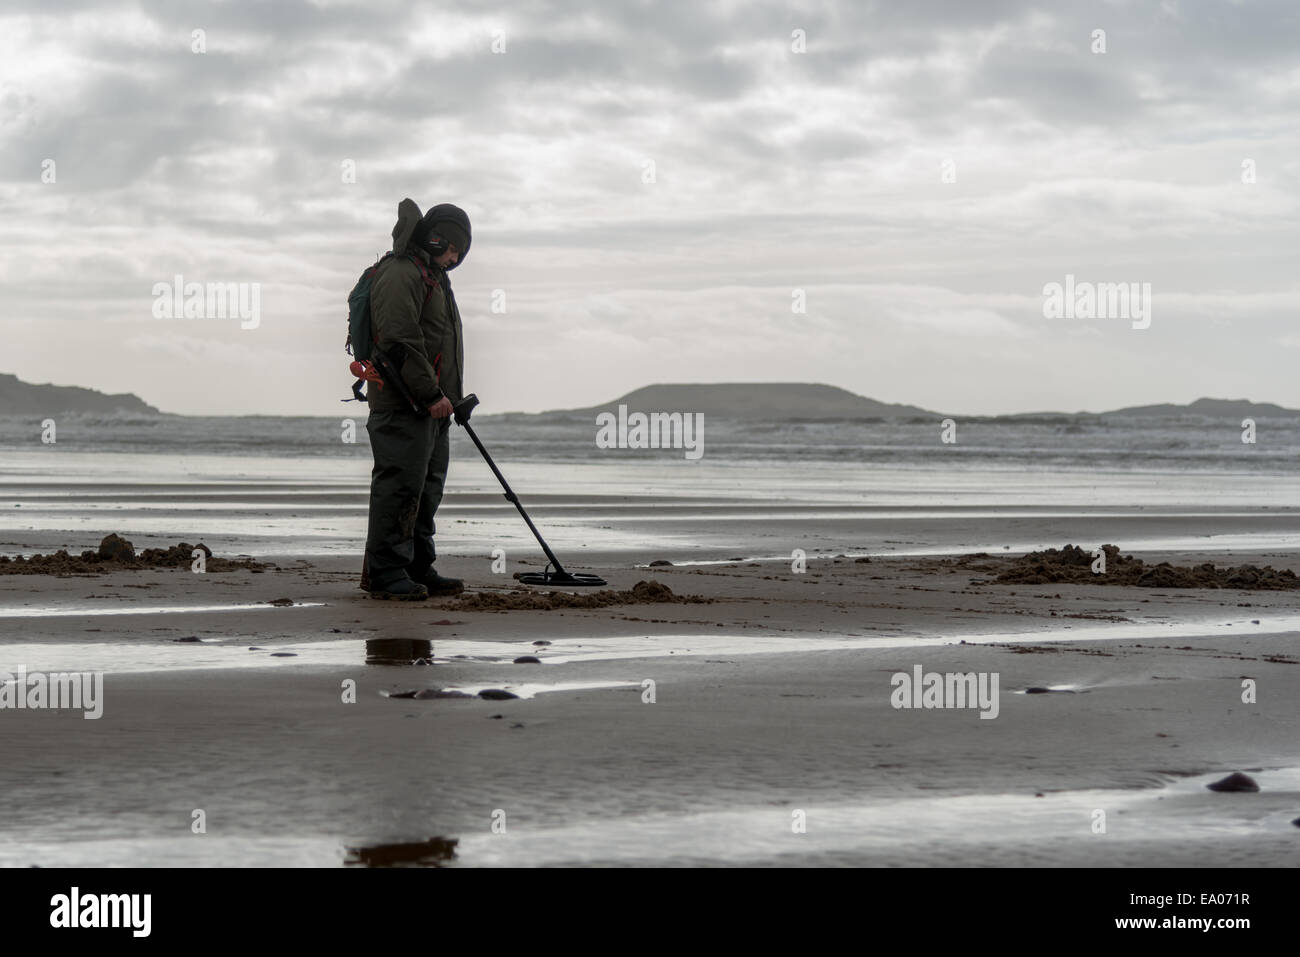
411,453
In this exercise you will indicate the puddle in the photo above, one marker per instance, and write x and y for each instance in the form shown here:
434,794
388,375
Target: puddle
533,689
215,850
930,830
166,655
1248,542
619,647
1171,630
952,830
91,612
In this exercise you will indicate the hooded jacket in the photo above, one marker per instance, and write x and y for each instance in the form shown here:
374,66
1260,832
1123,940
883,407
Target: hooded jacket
418,327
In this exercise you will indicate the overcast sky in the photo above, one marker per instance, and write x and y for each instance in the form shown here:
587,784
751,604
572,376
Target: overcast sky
774,171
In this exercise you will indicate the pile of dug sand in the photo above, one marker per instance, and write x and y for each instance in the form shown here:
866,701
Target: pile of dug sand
641,593
117,554
1073,564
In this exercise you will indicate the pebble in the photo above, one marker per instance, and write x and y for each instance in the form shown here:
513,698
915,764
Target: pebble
527,660
497,694
1234,782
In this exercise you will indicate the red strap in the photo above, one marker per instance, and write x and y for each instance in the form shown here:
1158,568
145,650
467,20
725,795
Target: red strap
426,274
430,280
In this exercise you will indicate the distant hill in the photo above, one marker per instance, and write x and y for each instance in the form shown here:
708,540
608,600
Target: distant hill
1214,408
1208,408
26,398
755,400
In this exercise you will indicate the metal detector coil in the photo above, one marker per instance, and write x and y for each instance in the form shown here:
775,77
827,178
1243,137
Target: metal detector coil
559,578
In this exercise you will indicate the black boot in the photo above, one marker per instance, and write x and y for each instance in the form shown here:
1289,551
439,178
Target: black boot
438,585
401,590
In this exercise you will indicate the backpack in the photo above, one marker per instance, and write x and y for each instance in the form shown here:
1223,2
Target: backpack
360,343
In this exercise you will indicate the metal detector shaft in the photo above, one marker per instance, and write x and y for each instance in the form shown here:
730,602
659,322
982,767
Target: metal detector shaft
510,494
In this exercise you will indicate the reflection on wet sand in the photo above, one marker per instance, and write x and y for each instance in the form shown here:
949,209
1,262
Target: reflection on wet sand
435,852
399,651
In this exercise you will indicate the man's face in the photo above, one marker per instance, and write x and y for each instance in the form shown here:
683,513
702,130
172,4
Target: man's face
448,258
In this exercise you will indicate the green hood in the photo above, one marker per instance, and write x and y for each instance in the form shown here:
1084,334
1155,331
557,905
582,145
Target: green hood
408,217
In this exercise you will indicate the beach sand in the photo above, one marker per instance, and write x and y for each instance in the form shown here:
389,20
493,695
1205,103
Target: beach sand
771,738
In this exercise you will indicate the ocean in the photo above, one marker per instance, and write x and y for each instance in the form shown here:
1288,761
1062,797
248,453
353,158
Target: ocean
292,485
1028,442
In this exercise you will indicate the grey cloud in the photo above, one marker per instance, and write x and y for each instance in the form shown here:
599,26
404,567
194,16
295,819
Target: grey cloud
227,163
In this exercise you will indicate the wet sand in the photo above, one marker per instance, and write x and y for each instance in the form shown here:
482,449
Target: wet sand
771,699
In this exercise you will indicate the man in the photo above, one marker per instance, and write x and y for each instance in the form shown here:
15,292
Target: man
415,321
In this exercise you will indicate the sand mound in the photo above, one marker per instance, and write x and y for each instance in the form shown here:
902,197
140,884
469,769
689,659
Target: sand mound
641,593
117,554
1074,564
